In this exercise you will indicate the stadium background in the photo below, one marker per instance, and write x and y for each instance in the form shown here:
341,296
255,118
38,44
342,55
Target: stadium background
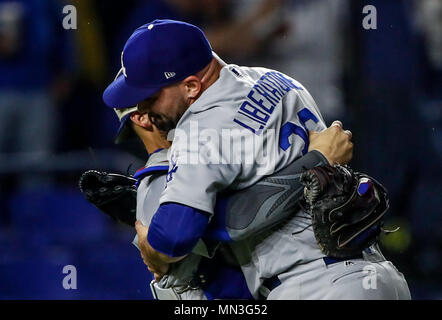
385,84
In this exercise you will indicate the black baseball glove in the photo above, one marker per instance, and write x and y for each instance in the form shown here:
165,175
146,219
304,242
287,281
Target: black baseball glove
113,194
347,209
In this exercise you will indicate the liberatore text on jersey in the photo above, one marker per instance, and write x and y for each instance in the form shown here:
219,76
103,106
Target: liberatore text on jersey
268,91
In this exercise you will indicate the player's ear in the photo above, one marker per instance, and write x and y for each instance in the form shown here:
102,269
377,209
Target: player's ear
142,120
192,87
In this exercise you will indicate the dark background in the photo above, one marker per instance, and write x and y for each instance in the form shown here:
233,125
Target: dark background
384,84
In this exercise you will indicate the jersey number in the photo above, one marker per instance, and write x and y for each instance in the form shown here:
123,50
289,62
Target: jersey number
290,128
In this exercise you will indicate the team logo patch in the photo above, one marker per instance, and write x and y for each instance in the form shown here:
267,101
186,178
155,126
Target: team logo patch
236,72
173,170
169,75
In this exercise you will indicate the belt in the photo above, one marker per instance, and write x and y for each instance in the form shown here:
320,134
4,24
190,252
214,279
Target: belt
273,282
331,260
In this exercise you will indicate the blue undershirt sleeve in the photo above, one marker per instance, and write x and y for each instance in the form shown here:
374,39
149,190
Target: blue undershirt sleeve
175,229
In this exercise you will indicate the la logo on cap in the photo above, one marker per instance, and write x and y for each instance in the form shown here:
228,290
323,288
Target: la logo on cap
169,75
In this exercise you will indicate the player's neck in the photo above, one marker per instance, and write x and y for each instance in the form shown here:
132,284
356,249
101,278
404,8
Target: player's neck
152,146
212,73
209,75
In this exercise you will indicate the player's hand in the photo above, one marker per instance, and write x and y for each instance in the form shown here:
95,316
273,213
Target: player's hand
152,259
334,143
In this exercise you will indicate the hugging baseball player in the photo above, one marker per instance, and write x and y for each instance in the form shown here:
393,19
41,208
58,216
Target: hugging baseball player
196,276
233,127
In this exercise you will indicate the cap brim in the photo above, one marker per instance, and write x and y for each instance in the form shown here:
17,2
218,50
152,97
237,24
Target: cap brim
125,131
121,95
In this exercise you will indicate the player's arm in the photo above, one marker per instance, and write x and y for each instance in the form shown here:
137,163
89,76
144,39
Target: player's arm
277,196
269,201
157,262
173,232
177,227
152,183
186,205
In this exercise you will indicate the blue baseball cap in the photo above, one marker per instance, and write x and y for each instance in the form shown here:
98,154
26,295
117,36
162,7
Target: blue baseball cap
157,54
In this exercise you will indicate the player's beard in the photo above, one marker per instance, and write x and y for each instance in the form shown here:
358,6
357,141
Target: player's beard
164,122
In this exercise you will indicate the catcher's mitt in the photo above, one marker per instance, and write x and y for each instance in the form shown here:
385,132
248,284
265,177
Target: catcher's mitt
113,194
347,209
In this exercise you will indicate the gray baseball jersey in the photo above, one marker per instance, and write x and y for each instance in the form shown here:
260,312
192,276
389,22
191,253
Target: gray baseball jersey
248,124
263,118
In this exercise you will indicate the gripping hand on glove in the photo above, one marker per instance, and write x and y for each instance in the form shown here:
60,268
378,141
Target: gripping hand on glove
347,208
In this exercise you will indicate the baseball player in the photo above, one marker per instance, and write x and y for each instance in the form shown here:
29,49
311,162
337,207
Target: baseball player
196,277
184,86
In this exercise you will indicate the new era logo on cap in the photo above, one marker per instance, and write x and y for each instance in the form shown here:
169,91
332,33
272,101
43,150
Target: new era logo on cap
169,75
